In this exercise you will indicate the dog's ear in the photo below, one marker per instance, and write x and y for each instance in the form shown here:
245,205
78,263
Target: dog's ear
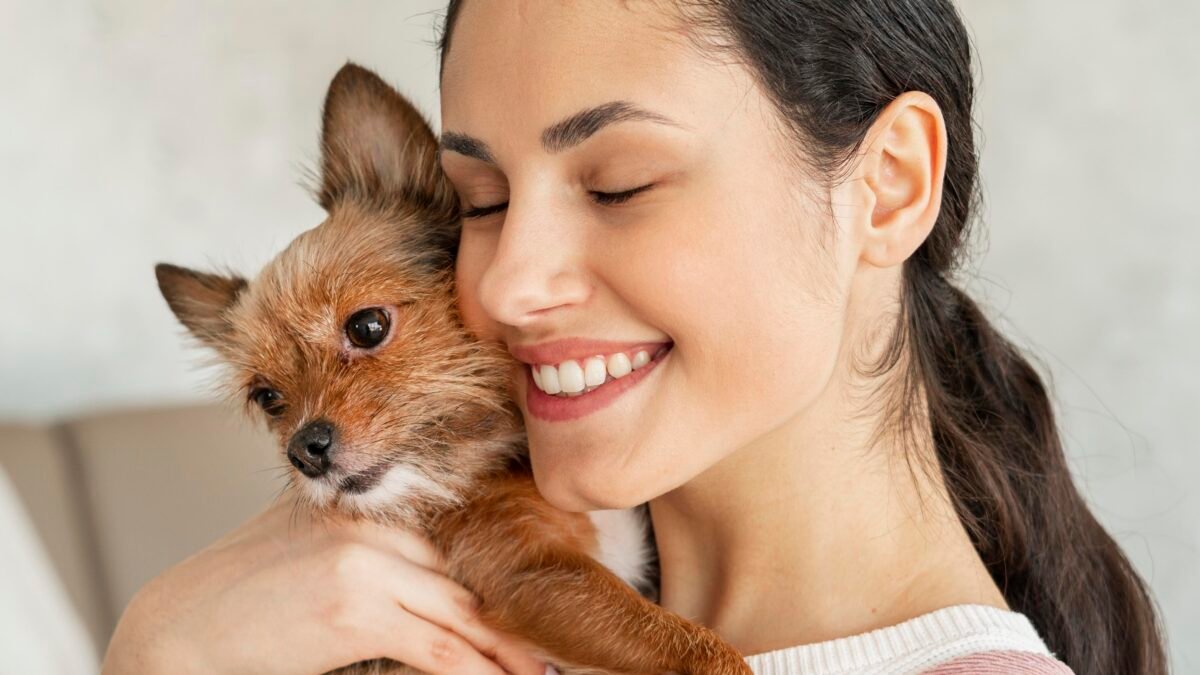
375,143
200,300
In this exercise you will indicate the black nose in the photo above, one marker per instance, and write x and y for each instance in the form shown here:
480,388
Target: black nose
310,448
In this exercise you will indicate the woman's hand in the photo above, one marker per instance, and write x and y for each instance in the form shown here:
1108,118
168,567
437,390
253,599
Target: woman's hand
285,593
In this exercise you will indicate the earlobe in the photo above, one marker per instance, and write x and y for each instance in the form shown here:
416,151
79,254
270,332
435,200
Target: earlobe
903,167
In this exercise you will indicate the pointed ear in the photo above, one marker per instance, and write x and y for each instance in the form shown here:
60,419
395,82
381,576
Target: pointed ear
375,143
199,300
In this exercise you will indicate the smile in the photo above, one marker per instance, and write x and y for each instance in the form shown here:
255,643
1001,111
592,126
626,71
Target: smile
577,387
575,378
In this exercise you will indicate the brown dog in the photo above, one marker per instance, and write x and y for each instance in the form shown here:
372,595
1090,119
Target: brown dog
388,409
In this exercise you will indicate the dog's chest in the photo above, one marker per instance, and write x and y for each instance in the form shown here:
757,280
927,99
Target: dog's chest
625,548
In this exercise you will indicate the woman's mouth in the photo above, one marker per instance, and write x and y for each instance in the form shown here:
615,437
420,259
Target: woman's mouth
577,387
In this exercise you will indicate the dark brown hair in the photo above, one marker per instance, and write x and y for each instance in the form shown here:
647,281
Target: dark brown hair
831,67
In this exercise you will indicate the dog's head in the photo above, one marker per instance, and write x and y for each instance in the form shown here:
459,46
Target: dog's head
348,342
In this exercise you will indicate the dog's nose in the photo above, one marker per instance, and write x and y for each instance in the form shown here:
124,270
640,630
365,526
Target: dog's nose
310,448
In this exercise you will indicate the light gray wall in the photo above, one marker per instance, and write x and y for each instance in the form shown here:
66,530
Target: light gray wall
1088,109
134,131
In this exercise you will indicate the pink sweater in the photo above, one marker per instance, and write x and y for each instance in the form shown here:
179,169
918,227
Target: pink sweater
950,641
1002,663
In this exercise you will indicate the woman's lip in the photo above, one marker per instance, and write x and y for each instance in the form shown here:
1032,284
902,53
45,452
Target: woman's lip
563,408
557,351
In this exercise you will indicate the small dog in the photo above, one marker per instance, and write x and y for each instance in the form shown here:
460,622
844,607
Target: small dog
387,408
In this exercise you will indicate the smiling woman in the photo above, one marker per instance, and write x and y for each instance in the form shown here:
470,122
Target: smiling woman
765,201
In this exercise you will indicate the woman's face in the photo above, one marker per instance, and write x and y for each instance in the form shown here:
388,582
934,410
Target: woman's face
714,267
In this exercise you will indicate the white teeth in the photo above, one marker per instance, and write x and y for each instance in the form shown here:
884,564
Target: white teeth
593,371
550,380
640,359
570,377
618,365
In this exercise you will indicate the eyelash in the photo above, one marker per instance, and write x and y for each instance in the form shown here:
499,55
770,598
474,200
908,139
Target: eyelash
603,198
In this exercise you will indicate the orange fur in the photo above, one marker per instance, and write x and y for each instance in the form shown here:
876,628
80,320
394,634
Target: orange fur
425,434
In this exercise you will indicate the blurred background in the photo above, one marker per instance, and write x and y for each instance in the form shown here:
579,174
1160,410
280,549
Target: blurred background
138,131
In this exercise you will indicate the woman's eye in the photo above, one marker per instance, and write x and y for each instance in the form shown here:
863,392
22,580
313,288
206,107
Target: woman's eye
602,198
481,211
269,400
611,198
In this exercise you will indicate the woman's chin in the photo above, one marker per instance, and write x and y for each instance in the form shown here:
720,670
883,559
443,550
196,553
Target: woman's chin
578,480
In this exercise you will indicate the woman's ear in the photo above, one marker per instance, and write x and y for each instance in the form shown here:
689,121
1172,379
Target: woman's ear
902,167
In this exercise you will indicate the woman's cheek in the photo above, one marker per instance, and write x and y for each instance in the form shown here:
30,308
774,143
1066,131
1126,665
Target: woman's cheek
474,255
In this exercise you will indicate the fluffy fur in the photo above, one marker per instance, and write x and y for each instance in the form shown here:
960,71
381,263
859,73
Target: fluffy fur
424,434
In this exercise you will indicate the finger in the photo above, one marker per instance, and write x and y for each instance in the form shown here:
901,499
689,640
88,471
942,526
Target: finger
518,660
439,599
433,649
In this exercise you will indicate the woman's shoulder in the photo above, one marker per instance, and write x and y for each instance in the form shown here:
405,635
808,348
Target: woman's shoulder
948,641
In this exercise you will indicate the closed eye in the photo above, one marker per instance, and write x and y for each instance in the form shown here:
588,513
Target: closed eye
611,198
481,211
602,198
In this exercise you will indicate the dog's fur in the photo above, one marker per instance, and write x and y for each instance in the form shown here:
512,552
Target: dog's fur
424,433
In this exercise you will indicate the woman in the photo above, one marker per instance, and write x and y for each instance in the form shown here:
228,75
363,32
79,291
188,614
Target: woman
838,449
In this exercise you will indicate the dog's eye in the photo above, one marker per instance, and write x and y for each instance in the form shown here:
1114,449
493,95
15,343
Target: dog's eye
269,400
368,327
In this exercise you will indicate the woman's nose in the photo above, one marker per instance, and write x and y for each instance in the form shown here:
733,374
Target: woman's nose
538,266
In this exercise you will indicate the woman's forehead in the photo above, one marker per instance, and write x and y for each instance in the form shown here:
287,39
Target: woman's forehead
530,65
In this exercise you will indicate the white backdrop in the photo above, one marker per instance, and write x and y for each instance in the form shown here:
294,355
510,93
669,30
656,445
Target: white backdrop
134,131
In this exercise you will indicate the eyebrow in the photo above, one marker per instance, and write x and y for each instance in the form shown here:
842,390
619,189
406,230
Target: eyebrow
561,135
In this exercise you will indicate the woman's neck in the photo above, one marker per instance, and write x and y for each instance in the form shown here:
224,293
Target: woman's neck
810,533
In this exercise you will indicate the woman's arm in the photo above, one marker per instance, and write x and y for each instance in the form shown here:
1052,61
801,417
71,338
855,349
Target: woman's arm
284,593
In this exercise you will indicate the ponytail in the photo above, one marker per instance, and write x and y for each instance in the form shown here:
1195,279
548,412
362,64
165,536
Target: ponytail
1003,463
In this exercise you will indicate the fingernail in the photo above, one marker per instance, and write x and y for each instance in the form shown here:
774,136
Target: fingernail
551,670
